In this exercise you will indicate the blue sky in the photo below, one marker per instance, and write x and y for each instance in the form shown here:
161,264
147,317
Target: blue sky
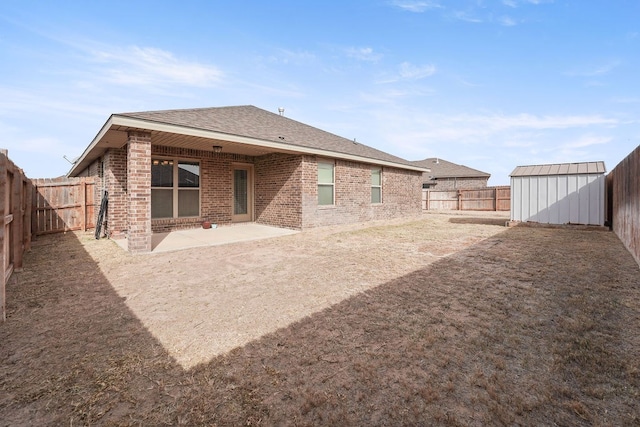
488,84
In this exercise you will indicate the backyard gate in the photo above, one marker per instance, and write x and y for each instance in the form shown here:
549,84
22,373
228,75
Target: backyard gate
65,204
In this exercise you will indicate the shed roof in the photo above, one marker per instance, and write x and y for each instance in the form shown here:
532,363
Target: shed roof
443,169
242,129
583,168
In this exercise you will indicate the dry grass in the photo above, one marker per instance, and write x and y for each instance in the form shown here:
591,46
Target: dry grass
514,327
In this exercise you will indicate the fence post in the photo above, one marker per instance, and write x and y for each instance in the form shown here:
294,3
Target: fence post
28,189
459,200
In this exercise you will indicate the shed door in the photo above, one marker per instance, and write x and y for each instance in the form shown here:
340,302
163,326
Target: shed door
242,194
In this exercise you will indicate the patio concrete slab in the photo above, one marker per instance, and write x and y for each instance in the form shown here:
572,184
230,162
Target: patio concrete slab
199,237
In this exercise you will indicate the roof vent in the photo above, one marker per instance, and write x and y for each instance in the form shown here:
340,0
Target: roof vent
281,111
437,161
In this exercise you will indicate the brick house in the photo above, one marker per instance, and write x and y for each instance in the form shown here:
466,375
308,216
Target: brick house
445,176
174,169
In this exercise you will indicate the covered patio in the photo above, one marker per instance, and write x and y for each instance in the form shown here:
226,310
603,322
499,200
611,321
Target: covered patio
200,237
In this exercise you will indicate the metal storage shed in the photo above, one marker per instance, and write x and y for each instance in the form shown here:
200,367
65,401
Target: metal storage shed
567,193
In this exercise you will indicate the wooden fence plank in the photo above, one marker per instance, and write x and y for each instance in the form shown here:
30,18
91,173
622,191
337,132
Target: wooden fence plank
624,204
3,237
18,214
481,199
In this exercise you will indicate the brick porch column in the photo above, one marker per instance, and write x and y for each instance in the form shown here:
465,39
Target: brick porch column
139,192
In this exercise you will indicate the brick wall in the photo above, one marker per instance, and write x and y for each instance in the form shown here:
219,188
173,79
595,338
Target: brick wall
216,175
115,177
286,192
139,192
446,184
401,194
278,190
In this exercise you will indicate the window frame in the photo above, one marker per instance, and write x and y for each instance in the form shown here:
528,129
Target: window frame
376,186
331,184
176,188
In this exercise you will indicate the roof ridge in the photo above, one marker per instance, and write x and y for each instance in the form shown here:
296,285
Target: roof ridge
184,110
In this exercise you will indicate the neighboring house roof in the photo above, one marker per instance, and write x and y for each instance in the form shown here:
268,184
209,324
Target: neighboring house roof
240,129
444,169
560,169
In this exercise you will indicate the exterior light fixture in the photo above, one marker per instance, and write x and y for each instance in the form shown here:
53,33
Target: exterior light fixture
217,148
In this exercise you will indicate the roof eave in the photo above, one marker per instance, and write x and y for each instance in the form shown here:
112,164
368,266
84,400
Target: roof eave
135,123
75,169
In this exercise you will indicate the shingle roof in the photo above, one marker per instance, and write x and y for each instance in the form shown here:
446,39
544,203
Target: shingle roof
444,169
253,122
560,169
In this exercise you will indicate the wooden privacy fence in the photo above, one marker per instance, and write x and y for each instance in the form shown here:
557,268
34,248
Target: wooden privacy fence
15,215
482,199
623,206
63,204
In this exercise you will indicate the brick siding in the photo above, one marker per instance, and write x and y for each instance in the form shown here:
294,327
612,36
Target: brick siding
216,177
115,176
446,184
401,194
285,191
279,190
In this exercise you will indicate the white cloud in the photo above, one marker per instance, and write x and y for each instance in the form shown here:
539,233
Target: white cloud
38,101
626,100
507,21
143,66
286,56
587,141
406,129
363,54
595,70
409,71
466,17
416,6
510,3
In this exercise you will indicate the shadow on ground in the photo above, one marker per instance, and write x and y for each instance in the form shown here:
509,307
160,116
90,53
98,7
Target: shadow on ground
531,326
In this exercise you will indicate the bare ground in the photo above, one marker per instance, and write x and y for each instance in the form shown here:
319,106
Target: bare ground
444,320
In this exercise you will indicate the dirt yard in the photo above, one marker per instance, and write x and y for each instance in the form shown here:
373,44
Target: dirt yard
446,319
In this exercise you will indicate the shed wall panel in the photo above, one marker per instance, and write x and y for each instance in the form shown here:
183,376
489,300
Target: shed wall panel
572,199
563,192
543,200
558,199
554,208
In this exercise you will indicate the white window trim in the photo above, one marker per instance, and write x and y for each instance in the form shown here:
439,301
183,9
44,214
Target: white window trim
176,188
332,184
377,186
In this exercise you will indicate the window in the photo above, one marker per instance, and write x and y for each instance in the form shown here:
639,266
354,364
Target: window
376,185
175,188
325,183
